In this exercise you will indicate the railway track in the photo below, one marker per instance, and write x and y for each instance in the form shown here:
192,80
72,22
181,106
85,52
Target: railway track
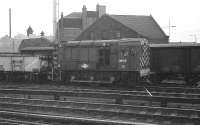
14,121
100,111
145,91
46,119
118,97
159,89
128,114
188,90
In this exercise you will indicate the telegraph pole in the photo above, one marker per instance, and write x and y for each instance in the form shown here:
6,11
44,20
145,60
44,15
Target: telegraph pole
55,18
195,37
10,30
10,22
170,26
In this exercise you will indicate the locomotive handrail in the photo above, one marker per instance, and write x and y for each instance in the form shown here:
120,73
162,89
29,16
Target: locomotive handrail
57,94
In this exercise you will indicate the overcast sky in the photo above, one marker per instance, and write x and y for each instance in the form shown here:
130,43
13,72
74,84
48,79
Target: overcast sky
184,14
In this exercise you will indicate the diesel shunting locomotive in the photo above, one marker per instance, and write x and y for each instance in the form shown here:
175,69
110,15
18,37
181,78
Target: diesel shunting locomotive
105,61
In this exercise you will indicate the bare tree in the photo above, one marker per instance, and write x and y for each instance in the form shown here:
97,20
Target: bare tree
29,31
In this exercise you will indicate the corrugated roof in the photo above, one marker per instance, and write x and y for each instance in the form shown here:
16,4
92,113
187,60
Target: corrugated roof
35,42
144,25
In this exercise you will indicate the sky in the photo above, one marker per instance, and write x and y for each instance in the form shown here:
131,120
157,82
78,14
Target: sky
183,14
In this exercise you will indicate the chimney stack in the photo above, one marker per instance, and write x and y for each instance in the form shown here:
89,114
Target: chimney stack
101,10
84,17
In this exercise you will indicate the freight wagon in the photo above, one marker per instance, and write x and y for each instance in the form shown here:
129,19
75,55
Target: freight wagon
179,61
105,61
14,66
17,62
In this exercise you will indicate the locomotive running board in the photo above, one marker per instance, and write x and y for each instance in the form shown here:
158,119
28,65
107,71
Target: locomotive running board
89,81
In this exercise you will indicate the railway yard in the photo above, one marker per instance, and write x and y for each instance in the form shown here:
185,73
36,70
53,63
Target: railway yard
31,104
109,74
98,69
104,82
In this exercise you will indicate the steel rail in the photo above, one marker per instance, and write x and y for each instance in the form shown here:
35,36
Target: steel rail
105,106
57,94
62,119
124,112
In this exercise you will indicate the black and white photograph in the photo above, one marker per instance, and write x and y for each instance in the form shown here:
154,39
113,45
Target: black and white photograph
99,62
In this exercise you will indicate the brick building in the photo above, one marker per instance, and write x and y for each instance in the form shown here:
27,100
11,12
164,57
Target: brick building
124,26
97,25
72,25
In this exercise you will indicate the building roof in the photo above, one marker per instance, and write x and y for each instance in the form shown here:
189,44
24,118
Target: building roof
34,43
72,23
144,25
92,14
74,15
79,14
74,19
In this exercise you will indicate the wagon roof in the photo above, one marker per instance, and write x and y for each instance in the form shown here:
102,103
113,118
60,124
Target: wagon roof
9,54
102,42
190,44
